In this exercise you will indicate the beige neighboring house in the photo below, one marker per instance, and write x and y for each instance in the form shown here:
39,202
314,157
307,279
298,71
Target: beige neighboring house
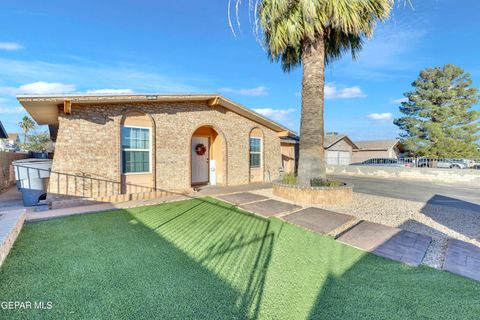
137,143
377,149
338,149
289,148
10,143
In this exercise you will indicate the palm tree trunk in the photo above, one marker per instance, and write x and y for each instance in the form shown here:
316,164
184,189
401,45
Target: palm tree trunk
311,157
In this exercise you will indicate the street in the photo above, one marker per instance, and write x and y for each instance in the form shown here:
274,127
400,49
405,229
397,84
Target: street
452,195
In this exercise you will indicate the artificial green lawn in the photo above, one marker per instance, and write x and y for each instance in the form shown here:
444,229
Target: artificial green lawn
203,258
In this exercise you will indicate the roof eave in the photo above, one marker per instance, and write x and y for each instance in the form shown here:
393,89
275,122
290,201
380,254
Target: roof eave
52,101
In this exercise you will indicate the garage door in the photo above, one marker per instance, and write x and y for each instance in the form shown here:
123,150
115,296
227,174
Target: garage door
338,158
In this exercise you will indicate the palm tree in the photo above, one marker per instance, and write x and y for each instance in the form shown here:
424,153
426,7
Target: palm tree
313,33
27,124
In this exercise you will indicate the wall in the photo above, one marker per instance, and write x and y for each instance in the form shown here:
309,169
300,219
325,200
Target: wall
289,156
7,175
421,174
88,143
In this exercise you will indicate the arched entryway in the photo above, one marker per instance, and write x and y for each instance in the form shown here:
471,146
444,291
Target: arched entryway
208,157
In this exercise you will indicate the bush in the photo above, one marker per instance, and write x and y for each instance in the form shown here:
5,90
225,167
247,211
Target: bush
319,182
289,178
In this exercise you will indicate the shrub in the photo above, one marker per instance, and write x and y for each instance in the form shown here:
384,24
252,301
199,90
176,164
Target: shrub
319,182
289,178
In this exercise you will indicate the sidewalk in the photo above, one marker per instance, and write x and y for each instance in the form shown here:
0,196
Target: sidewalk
11,200
204,191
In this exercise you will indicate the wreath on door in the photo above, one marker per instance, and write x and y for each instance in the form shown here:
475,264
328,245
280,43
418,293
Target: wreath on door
200,149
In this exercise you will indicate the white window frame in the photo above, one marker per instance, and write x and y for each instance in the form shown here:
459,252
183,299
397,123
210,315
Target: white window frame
255,152
149,150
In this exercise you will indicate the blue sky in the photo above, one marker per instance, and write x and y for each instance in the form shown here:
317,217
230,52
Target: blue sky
54,46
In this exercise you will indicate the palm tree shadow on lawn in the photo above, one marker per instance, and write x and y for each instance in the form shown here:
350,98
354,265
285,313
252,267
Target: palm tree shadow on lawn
227,244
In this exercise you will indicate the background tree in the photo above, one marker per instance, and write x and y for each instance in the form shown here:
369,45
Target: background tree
26,124
438,120
313,33
39,142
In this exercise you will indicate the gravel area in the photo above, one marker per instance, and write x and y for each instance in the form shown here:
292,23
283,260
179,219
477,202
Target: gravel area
439,222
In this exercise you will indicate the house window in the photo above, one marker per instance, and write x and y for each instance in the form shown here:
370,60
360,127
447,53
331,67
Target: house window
135,149
255,152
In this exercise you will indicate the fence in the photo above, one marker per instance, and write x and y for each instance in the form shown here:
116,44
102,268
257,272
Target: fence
439,163
7,177
65,186
471,177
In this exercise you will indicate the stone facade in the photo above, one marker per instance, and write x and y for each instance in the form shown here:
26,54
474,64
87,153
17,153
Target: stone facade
87,159
314,195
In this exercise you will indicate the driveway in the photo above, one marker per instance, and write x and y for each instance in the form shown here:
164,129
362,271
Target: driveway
452,195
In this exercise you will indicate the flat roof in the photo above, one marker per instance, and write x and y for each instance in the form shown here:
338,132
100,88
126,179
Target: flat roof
44,109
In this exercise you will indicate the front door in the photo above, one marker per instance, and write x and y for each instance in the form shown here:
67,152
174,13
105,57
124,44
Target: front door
200,160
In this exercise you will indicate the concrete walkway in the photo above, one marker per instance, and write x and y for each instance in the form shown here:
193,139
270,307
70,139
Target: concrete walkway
388,242
203,191
463,258
33,216
11,200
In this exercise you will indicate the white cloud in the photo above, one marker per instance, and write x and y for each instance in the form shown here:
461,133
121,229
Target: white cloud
400,100
283,116
39,87
89,74
10,46
42,87
332,92
380,116
258,91
11,110
110,91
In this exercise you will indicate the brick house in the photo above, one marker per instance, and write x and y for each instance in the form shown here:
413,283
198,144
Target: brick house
127,144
